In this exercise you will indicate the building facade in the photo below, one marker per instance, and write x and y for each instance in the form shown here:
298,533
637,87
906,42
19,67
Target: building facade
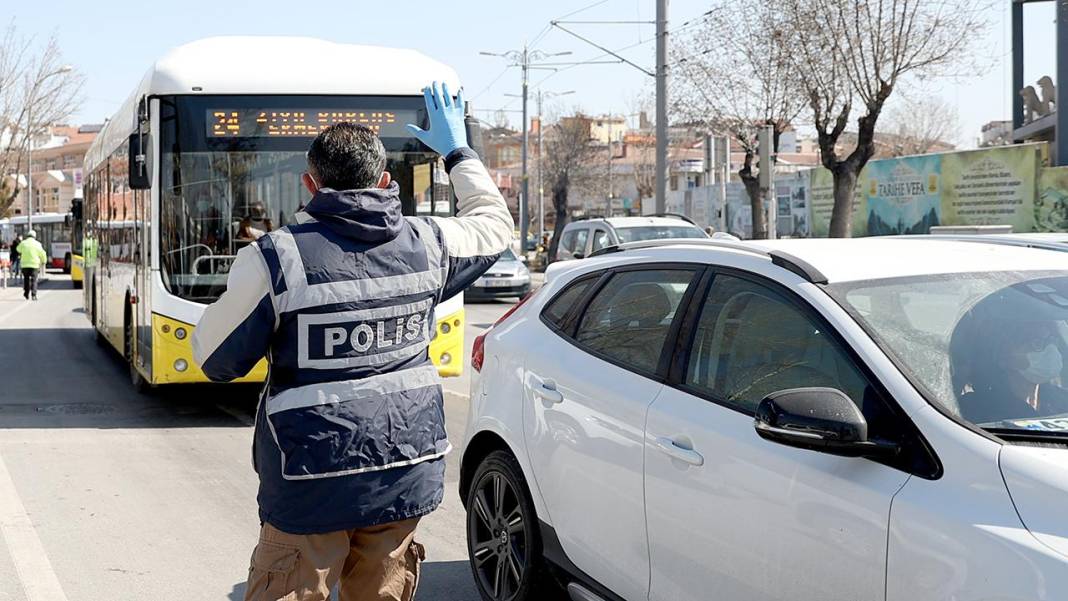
56,169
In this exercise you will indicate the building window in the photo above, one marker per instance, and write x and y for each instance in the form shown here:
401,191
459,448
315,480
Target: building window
69,161
50,164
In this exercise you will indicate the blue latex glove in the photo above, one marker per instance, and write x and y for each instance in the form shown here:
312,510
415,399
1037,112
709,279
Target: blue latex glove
447,129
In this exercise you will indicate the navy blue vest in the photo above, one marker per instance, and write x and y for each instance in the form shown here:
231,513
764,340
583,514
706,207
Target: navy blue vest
350,431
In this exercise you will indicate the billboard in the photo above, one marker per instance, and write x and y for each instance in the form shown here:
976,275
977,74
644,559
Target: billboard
908,195
992,186
904,196
1051,203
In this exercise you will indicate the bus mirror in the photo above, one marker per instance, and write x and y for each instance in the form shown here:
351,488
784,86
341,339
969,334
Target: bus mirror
139,176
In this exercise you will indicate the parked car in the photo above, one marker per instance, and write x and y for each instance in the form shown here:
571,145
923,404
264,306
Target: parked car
508,277
582,238
793,419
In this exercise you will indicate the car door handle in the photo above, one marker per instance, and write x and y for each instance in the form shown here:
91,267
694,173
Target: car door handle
672,449
546,391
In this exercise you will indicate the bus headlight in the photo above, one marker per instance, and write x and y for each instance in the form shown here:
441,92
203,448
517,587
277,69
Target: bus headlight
179,333
165,328
180,364
446,358
445,327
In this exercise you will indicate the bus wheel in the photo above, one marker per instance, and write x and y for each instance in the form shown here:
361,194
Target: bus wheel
66,264
139,382
77,284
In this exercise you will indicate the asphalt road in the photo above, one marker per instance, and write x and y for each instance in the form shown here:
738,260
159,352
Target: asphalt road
107,494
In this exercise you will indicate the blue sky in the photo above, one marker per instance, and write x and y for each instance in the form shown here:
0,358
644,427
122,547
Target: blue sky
114,41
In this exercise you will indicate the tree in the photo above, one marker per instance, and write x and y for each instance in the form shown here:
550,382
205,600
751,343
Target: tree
920,125
733,79
29,75
568,162
854,53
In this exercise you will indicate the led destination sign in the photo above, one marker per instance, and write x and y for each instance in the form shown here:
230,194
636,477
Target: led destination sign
299,122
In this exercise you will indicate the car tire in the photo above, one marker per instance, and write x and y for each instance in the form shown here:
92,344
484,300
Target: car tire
503,541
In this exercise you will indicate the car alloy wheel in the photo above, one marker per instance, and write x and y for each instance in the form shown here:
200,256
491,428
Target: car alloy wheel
497,535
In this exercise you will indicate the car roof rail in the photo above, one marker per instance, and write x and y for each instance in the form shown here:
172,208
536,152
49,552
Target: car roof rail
779,258
992,239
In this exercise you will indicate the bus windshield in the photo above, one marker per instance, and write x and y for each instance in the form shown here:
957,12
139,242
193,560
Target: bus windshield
231,167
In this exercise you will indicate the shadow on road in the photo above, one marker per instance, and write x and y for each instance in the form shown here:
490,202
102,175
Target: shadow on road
69,381
438,581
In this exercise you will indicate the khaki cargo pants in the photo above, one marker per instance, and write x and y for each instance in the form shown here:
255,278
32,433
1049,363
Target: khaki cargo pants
379,563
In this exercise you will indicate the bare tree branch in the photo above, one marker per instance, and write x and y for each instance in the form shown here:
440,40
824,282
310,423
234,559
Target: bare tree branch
36,92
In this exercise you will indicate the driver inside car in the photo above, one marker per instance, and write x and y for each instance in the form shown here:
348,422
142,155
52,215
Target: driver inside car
1016,365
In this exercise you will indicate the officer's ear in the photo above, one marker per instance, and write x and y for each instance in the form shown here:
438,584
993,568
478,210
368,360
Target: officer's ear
384,181
309,183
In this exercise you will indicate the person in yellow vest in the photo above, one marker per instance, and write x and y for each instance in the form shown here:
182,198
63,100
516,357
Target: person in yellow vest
33,257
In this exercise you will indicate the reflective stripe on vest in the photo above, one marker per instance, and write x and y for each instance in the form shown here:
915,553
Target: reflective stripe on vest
299,294
354,390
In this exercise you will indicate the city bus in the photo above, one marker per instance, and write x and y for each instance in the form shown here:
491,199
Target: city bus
53,232
214,138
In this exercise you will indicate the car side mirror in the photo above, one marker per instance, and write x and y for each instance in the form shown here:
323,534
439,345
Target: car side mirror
577,255
818,419
522,258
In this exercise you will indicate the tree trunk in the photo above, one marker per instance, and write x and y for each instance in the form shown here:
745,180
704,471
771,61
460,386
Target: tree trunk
560,207
756,203
845,186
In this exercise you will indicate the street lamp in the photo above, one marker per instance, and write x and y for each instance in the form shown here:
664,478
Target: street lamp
527,59
29,144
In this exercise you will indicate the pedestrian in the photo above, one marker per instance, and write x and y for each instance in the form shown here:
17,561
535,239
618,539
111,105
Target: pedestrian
32,257
14,258
349,440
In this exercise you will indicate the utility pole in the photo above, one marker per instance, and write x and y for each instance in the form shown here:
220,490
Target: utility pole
524,207
661,105
766,141
724,175
524,59
608,205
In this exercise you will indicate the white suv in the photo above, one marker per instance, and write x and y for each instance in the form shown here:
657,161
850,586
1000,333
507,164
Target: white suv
802,419
584,237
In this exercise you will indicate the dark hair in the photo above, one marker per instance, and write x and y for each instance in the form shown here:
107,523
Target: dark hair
347,156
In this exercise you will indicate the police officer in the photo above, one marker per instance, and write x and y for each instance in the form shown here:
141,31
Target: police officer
349,440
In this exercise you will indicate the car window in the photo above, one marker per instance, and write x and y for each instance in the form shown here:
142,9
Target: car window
750,342
600,239
567,244
658,232
580,243
628,320
557,309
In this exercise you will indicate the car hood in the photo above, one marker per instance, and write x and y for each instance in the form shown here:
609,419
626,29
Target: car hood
1037,478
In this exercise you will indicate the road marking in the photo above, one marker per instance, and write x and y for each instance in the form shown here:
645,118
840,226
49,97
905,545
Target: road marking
32,567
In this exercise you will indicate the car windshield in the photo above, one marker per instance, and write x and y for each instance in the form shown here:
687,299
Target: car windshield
658,232
220,193
987,347
507,255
